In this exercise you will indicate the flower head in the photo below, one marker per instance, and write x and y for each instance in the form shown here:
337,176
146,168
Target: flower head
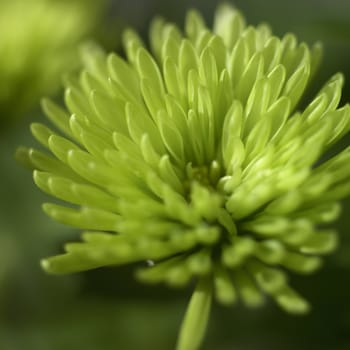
196,159
38,42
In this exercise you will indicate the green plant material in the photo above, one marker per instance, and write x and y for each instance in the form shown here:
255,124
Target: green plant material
38,43
196,318
196,159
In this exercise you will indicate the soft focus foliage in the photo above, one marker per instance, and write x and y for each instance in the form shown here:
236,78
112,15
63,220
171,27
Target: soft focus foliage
38,43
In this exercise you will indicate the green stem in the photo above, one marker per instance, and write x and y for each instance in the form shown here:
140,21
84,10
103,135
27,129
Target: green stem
196,318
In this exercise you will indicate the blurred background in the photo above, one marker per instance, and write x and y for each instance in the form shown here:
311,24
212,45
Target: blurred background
106,309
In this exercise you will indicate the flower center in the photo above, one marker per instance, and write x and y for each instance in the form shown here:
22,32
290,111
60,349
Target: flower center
207,176
206,199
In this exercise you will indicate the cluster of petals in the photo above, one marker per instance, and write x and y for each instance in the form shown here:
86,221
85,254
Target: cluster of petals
195,160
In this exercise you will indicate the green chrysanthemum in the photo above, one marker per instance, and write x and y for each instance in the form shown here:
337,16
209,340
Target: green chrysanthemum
195,159
38,42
